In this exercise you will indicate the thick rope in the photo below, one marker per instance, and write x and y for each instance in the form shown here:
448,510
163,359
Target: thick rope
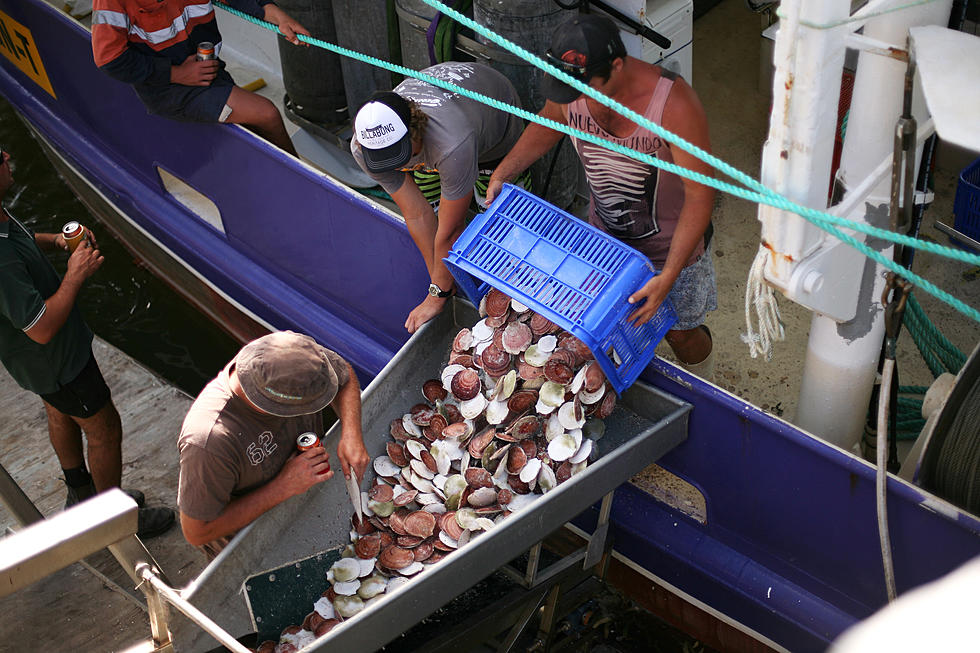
760,194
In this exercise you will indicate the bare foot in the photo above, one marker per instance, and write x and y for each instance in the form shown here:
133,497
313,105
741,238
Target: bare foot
428,309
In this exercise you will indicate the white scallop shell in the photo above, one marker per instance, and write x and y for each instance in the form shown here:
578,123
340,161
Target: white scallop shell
522,501
366,504
481,331
381,509
484,523
385,466
411,427
411,569
505,386
578,468
543,408
530,470
579,381
421,484
454,485
562,447
592,397
500,476
547,343
435,508
465,517
546,479
566,415
553,428
347,589
483,496
427,498
414,448
517,306
583,453
367,566
497,412
448,373
443,462
480,346
372,587
348,606
324,608
552,393
533,355
473,408
464,537
395,583
448,541
422,469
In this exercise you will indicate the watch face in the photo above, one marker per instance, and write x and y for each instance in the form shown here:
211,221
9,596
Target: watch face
434,290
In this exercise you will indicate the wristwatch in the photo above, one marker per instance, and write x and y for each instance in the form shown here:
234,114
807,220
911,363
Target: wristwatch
436,291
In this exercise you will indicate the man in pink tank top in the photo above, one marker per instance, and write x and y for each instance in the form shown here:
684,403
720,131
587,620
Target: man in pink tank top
658,213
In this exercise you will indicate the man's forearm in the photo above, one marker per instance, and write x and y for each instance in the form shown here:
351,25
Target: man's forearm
347,403
237,515
47,242
57,308
532,145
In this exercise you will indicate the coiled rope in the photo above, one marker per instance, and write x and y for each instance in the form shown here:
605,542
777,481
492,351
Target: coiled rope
756,191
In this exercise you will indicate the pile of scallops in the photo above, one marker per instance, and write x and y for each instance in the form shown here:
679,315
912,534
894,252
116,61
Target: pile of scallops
515,412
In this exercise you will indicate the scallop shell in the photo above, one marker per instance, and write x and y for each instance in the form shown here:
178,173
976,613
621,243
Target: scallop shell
405,498
420,524
525,427
522,400
479,442
395,557
433,391
547,480
450,543
455,484
605,408
547,344
558,372
465,517
345,570
534,356
347,588
591,397
473,408
552,394
411,569
348,606
516,459
381,493
452,413
496,361
465,384
463,340
477,478
414,448
385,466
497,303
397,430
562,448
497,412
396,453
457,430
482,332
583,453
372,587
528,372
568,417
594,377
577,347
463,360
368,546
483,496
447,375
530,470
540,325
516,337
553,428
423,551
422,414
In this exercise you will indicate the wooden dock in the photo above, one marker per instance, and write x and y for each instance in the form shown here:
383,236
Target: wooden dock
74,610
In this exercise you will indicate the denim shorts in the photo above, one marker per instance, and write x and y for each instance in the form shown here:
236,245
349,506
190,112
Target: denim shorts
83,396
694,293
189,103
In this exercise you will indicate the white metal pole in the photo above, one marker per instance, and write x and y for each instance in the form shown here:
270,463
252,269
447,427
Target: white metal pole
841,358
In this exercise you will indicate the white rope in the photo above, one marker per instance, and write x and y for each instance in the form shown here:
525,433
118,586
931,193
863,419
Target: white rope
759,295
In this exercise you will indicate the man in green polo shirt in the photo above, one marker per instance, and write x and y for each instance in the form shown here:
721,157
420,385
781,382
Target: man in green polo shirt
47,348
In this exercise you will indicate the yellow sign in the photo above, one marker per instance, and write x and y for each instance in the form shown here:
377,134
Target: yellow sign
17,44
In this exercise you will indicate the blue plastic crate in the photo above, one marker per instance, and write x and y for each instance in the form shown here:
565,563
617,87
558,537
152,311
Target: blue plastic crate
567,270
966,205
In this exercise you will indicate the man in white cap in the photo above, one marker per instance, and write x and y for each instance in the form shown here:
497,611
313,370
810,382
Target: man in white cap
238,439
432,150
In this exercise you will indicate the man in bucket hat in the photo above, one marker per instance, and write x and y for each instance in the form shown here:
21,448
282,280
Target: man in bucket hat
660,214
238,440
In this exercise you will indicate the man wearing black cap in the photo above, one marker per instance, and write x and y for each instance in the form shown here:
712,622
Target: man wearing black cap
658,213
238,438
427,147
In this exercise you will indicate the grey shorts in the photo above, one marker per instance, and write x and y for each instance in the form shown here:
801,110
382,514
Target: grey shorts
694,293
190,103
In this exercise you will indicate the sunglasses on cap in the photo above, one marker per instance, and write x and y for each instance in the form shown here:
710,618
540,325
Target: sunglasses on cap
575,70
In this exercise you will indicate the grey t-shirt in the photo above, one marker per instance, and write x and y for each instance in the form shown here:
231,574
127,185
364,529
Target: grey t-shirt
461,133
228,449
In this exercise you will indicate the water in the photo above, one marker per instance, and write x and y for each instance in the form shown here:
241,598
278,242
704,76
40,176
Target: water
123,302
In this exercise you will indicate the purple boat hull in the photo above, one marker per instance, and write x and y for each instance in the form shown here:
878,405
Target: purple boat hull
789,548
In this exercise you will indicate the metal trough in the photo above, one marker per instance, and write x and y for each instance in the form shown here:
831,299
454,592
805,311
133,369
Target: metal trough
646,424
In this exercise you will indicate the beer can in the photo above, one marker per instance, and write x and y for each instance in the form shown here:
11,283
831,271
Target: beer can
307,440
73,233
205,51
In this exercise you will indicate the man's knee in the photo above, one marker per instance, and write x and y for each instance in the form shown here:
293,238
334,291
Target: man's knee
104,428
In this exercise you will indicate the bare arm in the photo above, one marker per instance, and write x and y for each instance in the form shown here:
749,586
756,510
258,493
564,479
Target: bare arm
684,116
532,145
350,449
287,25
419,218
300,473
81,265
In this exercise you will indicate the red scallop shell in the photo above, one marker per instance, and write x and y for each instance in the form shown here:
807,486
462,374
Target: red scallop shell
577,347
311,621
563,356
386,540
479,442
381,493
516,459
465,384
433,431
461,338
268,646
452,527
478,477
405,498
594,377
497,303
325,627
433,391
452,413
420,524
436,557
517,337
540,325
429,461
527,371
409,541
522,401
396,522
466,360
495,359
529,447
395,557
498,338
362,527
421,414
397,453
517,485
558,372
368,546
497,321
525,427
504,496
607,405
454,430
397,430
564,472
423,551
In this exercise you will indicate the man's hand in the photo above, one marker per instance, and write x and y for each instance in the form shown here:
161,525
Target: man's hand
428,309
493,189
193,72
303,471
83,263
287,26
653,292
351,451
60,243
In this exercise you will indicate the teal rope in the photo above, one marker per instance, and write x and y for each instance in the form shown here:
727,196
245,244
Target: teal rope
761,195
939,353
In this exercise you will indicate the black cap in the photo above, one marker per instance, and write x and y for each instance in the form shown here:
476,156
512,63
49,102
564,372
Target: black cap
579,46
382,127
